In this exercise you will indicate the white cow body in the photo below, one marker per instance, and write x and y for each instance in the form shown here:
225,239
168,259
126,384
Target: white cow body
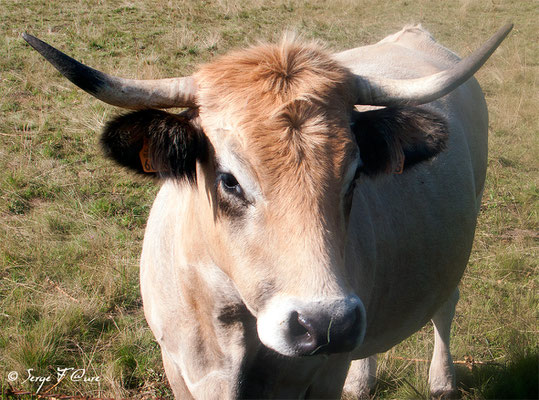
409,239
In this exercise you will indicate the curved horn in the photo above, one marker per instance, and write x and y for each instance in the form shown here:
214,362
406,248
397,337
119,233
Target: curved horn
126,93
390,92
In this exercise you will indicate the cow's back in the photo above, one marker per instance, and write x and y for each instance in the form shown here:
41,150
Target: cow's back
411,234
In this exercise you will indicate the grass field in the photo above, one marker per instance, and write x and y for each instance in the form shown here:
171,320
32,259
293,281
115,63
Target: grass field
72,223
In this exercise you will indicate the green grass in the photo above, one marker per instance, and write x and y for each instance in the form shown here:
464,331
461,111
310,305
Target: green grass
72,223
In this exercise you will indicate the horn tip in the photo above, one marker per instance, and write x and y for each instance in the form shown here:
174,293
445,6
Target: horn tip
507,27
31,40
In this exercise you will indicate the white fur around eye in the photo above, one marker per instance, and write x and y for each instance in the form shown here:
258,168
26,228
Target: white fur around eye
230,162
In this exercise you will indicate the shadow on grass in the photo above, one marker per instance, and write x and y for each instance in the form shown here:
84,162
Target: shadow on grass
518,379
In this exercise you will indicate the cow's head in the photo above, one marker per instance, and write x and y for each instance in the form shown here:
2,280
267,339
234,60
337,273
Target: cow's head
271,147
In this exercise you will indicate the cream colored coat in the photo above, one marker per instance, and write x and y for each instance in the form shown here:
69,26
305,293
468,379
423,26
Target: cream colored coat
406,246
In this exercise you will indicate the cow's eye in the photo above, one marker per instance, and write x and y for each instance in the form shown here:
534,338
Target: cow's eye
229,184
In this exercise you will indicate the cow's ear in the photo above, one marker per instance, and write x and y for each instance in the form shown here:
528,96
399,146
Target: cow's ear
393,139
155,142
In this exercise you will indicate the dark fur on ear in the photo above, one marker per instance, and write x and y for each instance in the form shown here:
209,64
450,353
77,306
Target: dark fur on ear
174,144
392,137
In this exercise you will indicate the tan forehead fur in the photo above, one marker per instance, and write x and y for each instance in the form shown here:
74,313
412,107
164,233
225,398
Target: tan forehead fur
288,104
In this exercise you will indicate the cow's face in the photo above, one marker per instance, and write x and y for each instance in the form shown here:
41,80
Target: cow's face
278,120
272,156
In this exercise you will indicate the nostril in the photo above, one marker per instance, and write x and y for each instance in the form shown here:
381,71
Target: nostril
302,333
307,325
296,328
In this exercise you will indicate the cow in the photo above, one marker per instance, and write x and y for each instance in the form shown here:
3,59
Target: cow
316,209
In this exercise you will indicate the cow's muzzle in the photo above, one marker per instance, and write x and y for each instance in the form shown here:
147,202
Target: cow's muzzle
297,328
325,334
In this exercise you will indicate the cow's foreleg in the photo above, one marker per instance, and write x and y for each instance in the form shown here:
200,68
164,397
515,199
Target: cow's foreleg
442,372
175,378
361,378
